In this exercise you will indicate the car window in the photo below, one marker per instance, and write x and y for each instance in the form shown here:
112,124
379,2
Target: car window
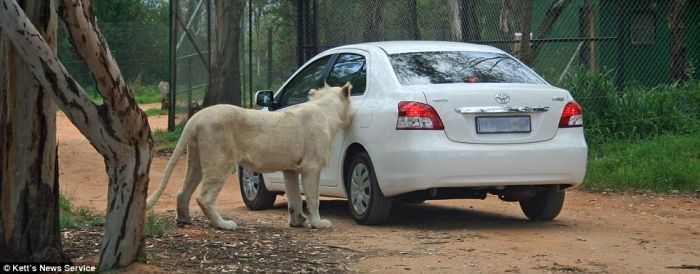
444,67
297,91
349,68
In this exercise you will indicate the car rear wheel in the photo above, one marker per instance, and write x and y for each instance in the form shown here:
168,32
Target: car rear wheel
255,195
545,205
366,201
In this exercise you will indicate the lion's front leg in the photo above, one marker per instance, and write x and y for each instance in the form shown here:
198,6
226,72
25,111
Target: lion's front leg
296,214
310,180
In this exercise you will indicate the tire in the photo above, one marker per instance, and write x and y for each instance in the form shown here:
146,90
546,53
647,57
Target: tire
545,205
253,191
375,208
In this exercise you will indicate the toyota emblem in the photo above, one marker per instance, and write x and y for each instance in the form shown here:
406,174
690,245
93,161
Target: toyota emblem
502,98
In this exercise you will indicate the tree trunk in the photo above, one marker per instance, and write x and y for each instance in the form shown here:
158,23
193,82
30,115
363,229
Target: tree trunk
679,50
470,20
225,34
455,20
527,29
29,172
506,25
118,129
545,29
372,29
269,58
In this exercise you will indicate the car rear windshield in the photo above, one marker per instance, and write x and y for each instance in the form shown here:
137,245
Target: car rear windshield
416,68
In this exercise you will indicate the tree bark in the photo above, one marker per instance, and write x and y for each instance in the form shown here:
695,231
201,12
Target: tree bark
455,20
470,20
29,171
225,76
506,25
372,29
118,129
545,28
679,50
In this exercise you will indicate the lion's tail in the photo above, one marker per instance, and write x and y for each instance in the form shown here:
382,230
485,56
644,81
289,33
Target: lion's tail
187,134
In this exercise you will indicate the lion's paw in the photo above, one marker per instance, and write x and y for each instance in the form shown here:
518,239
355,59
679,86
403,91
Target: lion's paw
297,220
227,225
321,224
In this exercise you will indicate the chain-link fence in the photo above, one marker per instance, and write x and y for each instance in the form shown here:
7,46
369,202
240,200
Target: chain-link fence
572,43
190,59
611,54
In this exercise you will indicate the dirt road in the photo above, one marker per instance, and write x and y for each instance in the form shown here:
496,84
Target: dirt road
596,232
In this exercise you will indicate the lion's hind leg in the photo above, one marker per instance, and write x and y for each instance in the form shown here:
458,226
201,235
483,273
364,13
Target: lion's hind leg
216,167
193,176
294,206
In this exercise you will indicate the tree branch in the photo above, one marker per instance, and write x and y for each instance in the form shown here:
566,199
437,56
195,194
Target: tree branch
92,48
545,29
50,73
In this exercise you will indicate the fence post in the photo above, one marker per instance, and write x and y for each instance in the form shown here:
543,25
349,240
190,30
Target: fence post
269,58
621,44
173,63
250,53
189,88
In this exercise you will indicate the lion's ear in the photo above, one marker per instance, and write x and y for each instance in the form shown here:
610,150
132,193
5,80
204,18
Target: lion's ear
346,89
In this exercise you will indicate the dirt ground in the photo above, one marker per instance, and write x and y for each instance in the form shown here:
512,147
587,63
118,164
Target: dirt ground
595,233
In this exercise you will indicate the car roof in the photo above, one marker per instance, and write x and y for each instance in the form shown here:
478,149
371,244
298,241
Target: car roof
393,47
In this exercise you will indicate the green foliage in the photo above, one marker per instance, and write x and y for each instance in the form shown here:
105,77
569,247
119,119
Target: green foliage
70,217
636,113
158,225
146,94
664,163
167,140
137,33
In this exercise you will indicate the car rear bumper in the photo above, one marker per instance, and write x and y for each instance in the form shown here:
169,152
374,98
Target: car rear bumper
418,160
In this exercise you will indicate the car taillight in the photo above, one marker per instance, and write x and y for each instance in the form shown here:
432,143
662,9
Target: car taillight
415,115
572,116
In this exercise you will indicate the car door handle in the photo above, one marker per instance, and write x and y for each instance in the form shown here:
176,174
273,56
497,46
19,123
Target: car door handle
502,109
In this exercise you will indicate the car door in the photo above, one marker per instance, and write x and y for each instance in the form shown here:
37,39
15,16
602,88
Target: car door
349,66
296,91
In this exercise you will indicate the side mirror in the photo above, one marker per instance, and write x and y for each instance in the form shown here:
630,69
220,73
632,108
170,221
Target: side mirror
264,98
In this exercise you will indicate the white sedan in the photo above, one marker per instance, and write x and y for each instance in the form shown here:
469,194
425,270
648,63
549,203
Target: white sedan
437,120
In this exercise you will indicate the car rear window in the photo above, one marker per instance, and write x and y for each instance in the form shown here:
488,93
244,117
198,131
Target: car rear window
416,68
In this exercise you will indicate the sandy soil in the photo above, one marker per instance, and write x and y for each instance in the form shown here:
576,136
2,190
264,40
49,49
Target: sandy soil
596,232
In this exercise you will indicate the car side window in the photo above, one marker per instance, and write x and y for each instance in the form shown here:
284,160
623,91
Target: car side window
349,68
297,91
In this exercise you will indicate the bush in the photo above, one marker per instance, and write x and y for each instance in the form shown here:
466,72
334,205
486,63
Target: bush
636,113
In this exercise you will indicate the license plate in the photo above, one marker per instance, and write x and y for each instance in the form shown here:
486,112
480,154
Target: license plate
503,124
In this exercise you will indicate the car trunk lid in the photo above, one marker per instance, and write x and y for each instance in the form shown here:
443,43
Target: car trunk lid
496,113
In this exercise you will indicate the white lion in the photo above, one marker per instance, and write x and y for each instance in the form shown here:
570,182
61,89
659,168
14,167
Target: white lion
296,141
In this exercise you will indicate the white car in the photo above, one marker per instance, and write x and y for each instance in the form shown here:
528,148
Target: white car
437,120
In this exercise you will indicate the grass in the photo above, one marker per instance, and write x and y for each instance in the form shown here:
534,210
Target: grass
158,225
72,217
156,112
167,140
142,94
666,163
